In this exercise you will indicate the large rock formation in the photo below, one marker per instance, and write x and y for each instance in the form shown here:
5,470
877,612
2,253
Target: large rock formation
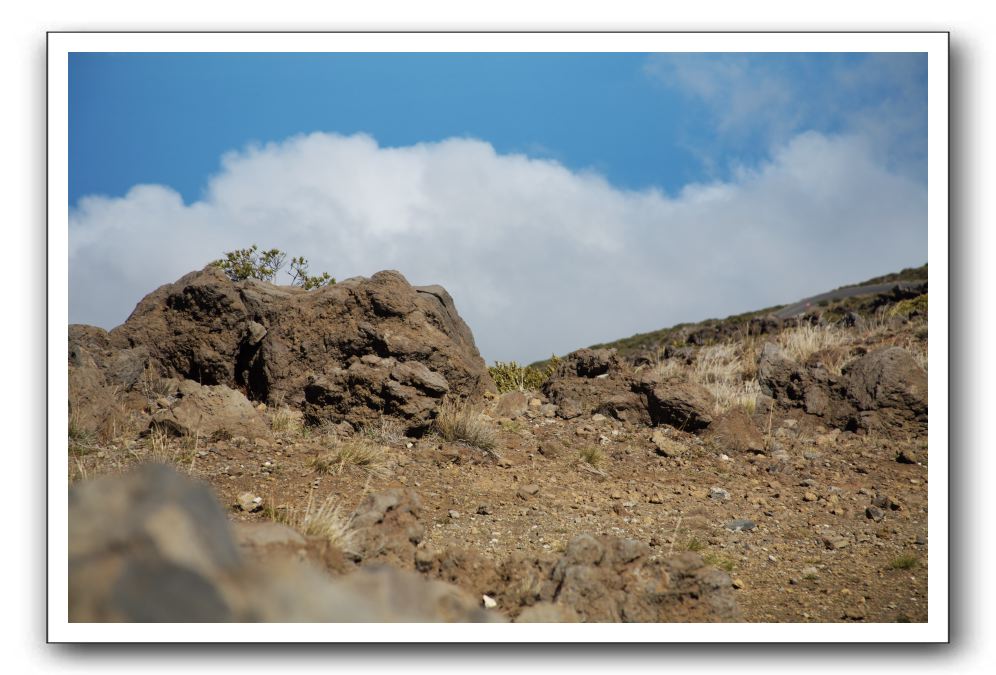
352,351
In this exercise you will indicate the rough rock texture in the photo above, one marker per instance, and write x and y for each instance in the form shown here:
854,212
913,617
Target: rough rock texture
346,352
207,410
597,381
883,388
683,405
155,546
610,579
889,383
388,528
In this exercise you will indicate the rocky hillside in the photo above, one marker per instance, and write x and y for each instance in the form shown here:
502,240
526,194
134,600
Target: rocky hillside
244,451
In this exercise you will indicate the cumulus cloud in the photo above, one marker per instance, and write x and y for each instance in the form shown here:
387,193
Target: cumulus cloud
539,258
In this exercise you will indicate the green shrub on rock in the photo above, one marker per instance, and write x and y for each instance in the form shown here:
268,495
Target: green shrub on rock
250,263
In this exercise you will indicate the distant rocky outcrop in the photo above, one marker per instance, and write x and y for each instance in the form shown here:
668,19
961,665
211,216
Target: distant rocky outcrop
352,351
885,388
590,381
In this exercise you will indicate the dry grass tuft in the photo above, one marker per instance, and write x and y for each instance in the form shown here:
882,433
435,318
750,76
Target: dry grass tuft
803,341
323,520
723,370
387,431
361,453
82,441
160,448
284,420
154,386
464,423
593,456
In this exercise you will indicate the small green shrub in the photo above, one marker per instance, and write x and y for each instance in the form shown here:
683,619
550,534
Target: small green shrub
592,455
510,376
914,306
251,263
905,562
300,277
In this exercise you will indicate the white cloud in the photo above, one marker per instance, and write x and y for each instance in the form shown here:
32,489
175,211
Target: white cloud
539,259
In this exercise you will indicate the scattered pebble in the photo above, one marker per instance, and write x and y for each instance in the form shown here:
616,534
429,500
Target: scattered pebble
489,602
875,513
719,494
741,524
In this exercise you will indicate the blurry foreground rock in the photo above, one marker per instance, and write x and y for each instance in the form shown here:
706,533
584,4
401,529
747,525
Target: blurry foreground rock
155,546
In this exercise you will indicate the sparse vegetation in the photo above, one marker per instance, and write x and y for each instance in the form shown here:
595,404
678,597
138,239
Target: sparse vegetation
361,453
81,440
300,277
906,561
913,307
251,263
510,376
593,456
802,342
387,431
323,520
285,420
717,560
464,423
695,545
720,369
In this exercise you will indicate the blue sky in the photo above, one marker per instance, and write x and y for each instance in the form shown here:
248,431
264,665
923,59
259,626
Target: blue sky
753,176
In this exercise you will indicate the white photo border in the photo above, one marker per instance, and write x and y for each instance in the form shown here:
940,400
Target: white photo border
934,44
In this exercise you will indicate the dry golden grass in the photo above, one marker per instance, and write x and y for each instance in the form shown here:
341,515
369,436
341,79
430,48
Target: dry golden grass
361,453
323,520
387,431
464,423
593,456
81,440
723,370
285,420
802,342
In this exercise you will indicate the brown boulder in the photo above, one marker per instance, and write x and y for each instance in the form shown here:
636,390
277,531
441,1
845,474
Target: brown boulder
351,351
682,405
209,410
890,382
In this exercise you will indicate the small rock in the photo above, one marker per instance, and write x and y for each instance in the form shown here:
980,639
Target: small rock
535,403
886,502
527,491
455,515
810,572
835,542
249,502
598,417
551,449
809,497
719,494
907,456
656,498
875,513
489,602
738,584
484,510
741,524
665,446
810,455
